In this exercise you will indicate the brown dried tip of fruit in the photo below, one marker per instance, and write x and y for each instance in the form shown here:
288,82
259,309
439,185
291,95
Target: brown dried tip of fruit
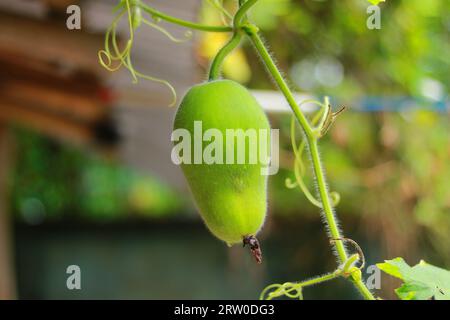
255,248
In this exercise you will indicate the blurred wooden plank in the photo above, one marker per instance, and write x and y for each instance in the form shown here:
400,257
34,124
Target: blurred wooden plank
50,42
60,5
14,65
59,102
141,110
28,82
7,274
54,126
29,8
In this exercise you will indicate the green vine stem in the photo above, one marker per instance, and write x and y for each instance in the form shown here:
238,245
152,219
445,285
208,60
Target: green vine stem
312,140
275,73
184,23
214,71
310,137
324,195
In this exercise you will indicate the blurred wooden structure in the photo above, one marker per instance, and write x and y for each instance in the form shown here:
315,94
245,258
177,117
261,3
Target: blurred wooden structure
51,82
50,79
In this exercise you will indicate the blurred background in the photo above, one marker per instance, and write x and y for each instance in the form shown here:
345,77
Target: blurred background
86,177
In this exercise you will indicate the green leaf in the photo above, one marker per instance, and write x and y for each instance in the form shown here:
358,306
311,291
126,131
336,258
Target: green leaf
414,291
393,267
421,282
375,2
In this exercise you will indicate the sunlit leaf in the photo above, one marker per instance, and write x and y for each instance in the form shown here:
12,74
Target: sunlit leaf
421,282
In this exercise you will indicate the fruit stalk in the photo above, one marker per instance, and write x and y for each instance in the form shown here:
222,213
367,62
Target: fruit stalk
235,40
324,196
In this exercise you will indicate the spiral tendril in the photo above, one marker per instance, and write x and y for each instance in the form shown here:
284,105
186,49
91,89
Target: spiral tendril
289,289
112,57
299,166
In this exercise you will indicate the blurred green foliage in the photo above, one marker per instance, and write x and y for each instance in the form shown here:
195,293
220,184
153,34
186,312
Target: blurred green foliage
392,171
55,181
325,46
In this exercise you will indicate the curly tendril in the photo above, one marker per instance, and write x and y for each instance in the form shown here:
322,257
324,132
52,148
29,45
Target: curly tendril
360,253
294,290
289,289
112,57
299,166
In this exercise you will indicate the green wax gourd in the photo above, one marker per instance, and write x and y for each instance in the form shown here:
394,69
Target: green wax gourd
231,198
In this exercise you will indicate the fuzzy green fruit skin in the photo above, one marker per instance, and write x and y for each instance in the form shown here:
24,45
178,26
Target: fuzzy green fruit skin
232,198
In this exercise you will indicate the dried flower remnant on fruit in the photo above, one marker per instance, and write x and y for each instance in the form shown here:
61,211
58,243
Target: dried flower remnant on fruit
255,248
